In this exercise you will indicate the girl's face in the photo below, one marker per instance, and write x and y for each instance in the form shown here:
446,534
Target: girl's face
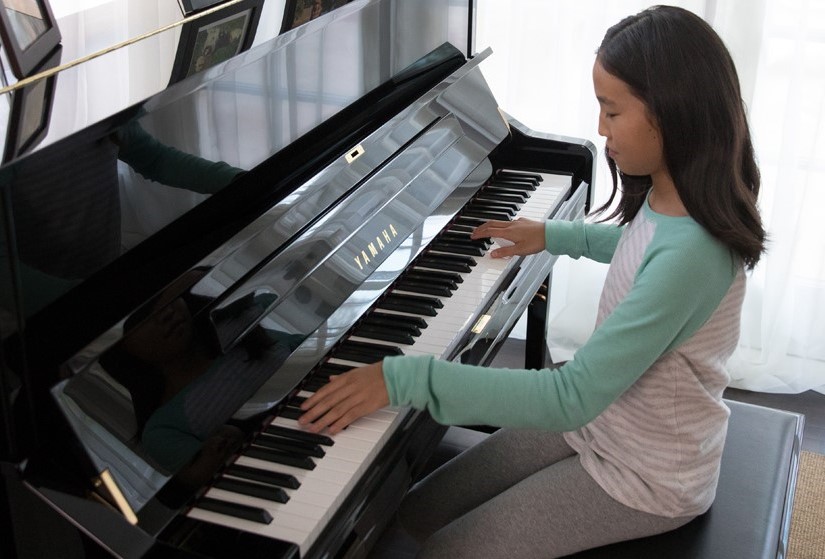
633,139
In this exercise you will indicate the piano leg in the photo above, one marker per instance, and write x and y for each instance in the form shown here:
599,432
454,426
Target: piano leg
536,354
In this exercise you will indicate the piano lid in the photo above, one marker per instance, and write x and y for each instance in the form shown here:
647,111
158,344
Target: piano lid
120,53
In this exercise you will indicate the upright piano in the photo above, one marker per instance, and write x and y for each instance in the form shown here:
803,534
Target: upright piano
177,275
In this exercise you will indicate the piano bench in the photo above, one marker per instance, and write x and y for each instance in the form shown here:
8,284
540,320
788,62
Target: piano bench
750,517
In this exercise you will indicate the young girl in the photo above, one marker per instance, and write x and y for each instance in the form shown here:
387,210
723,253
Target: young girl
625,440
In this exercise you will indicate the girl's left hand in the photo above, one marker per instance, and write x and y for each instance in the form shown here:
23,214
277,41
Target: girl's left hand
347,397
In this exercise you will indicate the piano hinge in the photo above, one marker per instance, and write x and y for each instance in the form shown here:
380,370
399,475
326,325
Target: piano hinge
480,324
109,492
354,153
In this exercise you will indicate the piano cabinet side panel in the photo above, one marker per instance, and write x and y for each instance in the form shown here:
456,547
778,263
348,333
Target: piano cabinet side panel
24,519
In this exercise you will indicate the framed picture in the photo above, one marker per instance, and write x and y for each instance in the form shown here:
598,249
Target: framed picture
192,6
298,12
29,33
211,39
30,112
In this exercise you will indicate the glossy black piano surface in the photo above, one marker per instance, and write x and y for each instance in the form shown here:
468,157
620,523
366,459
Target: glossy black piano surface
178,274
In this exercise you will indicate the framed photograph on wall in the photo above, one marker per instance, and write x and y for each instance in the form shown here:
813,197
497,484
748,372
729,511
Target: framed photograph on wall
192,6
30,111
298,12
29,33
214,38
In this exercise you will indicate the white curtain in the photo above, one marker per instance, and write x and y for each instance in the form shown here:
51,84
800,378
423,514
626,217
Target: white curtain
543,52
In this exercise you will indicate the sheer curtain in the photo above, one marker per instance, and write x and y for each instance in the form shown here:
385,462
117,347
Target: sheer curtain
540,73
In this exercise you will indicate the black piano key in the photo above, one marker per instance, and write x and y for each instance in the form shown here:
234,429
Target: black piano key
411,324
422,287
507,207
252,489
406,303
383,334
328,369
433,275
537,178
441,282
281,431
314,384
290,446
484,214
457,248
460,239
245,512
471,220
419,299
461,227
503,193
264,476
278,457
290,413
455,235
446,262
514,185
364,352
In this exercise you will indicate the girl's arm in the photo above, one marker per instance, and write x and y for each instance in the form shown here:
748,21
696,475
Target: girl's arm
596,241
677,288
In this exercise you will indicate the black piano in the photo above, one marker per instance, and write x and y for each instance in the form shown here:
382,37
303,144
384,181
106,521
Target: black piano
178,272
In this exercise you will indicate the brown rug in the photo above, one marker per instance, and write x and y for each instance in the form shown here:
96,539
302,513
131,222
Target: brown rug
807,538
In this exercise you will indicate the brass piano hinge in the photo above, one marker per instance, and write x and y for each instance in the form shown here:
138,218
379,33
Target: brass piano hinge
478,328
108,491
354,154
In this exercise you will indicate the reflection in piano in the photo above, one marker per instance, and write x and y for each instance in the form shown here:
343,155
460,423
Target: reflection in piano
268,236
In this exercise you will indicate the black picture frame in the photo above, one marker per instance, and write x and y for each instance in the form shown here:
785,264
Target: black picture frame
29,33
192,6
30,111
216,37
298,12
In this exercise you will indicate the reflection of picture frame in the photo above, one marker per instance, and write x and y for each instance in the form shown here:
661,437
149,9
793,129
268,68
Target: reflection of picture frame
29,33
191,6
30,112
298,12
215,38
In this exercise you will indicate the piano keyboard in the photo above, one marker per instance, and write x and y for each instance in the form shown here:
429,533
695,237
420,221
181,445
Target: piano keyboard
289,483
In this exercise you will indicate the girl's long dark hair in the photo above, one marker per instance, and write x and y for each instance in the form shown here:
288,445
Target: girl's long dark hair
679,67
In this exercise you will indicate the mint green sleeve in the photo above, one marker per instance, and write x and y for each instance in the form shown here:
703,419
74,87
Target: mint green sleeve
169,166
596,241
651,320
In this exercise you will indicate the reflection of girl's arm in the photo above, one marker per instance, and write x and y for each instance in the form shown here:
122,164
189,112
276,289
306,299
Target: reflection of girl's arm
39,288
170,166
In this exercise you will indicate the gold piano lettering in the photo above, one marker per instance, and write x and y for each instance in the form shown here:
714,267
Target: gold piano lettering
374,248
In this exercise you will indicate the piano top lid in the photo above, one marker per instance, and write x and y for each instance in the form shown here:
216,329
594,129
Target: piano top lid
138,63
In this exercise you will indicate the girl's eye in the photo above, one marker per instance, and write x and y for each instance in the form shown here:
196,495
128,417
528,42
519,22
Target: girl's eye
610,115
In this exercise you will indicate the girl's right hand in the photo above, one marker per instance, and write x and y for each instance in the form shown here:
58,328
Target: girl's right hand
526,235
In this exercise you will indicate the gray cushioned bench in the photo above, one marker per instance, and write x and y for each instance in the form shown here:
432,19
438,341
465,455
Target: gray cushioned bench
750,518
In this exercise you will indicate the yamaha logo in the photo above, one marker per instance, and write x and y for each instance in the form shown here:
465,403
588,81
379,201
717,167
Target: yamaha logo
375,247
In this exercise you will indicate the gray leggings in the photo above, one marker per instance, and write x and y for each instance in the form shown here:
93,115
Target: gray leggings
519,493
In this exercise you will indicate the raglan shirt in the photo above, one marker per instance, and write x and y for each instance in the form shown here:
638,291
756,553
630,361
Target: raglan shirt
641,401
